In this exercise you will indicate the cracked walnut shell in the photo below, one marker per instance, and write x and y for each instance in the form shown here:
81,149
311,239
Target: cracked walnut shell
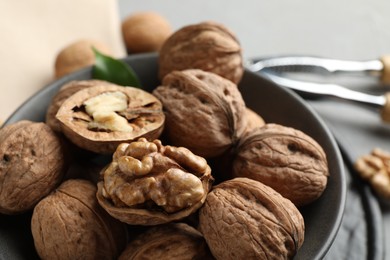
204,112
245,219
33,163
285,159
169,241
70,224
149,184
101,117
64,93
207,46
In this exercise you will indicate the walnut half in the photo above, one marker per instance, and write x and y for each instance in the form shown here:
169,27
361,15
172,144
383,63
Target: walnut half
101,117
148,183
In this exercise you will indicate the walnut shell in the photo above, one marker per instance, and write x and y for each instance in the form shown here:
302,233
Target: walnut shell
254,120
204,112
70,224
285,159
64,93
149,184
207,46
170,241
77,55
33,162
145,32
245,219
143,117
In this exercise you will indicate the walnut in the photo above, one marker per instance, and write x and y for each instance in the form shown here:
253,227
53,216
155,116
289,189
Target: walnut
285,159
375,168
148,183
64,93
169,241
254,120
77,55
243,218
204,112
207,46
145,32
101,117
33,162
70,224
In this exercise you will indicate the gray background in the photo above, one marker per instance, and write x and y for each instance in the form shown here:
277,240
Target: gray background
348,29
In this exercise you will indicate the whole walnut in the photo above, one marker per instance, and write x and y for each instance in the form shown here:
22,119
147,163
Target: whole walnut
70,224
254,120
100,117
145,32
33,162
169,241
207,46
284,158
245,219
148,183
204,112
77,55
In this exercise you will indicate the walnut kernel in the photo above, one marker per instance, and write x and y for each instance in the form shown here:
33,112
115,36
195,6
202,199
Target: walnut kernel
375,168
148,183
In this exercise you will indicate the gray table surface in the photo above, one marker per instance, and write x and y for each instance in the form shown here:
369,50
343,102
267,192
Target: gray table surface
348,29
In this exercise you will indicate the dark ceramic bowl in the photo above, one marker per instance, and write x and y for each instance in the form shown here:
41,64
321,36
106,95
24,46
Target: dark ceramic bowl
275,104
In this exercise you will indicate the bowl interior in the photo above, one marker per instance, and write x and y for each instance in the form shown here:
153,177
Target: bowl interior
275,104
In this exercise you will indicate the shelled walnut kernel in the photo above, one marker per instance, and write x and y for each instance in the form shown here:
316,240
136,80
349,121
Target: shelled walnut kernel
375,168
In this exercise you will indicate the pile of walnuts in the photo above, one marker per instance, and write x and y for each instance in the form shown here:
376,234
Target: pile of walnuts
187,171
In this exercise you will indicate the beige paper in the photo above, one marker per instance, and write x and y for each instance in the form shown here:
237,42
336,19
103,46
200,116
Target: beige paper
33,32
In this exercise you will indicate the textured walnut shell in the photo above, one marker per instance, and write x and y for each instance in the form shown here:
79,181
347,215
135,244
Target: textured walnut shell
285,159
33,162
145,117
245,219
204,112
254,120
207,46
152,197
77,55
70,224
64,93
145,32
170,241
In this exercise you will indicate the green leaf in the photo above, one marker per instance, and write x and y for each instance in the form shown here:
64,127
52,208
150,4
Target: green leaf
113,70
